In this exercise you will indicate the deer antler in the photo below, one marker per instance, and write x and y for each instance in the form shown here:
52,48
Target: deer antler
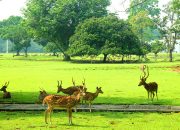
58,83
73,82
6,84
61,82
83,82
142,68
147,73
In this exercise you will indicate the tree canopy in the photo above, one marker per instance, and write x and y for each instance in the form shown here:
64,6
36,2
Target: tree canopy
105,35
55,20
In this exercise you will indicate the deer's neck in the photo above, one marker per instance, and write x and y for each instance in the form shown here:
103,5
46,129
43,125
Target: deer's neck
146,86
96,93
4,91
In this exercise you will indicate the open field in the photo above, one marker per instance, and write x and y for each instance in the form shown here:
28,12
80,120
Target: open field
118,81
91,121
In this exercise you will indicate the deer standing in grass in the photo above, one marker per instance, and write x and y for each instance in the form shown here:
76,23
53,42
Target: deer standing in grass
67,102
151,87
70,90
89,96
5,93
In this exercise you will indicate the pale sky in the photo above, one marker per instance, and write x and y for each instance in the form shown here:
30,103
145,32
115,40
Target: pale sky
13,7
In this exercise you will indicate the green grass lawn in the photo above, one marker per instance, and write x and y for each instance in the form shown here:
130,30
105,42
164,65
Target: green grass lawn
90,121
118,81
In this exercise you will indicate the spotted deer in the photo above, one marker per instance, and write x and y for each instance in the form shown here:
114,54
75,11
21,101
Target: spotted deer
67,102
89,96
5,93
152,87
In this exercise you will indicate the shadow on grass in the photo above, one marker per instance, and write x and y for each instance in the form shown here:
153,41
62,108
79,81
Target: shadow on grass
32,97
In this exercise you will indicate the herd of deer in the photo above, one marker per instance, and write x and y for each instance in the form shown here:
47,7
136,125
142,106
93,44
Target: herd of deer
77,93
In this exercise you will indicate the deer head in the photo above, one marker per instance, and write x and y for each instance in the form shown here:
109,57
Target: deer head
145,76
98,89
4,87
59,86
42,95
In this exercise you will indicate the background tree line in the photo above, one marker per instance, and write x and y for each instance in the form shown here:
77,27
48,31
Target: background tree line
79,27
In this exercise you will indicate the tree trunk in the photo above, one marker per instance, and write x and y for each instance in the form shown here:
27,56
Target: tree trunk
54,53
26,50
170,55
66,57
122,60
18,53
105,58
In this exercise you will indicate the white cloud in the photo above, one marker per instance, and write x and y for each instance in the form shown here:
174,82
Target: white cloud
11,7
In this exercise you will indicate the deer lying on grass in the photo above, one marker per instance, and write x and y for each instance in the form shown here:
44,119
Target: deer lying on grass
151,87
42,95
5,93
67,102
91,96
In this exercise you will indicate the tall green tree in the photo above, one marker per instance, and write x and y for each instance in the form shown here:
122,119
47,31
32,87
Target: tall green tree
55,20
14,30
143,15
105,35
170,25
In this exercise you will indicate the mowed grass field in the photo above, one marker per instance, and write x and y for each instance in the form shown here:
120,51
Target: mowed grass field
119,82
91,121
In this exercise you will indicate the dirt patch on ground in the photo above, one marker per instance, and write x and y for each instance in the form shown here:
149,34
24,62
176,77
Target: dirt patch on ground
176,68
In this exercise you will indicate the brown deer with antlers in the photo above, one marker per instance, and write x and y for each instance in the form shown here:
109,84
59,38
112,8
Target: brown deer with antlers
89,96
151,87
70,90
67,102
5,93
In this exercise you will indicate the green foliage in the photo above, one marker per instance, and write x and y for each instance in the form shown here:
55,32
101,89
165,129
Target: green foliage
55,20
14,30
141,25
157,46
169,25
106,35
143,15
151,6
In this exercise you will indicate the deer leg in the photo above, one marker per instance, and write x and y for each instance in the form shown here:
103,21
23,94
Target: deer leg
90,106
151,95
156,95
148,95
46,115
50,115
70,116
